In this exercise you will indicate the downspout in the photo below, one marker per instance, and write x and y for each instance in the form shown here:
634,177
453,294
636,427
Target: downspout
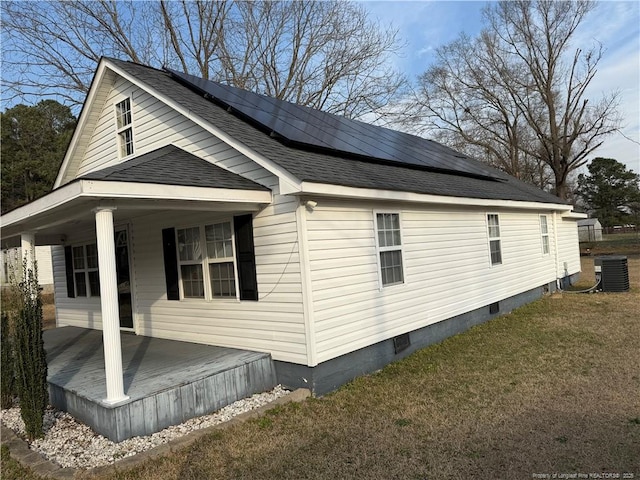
555,242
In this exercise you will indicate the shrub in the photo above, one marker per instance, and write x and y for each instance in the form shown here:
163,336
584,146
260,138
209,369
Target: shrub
29,355
6,363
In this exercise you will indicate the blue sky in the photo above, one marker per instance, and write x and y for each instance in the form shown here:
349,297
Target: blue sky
425,25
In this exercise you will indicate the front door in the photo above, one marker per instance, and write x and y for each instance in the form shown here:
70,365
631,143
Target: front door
124,278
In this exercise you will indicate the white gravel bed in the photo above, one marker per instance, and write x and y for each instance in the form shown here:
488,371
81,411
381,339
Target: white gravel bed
70,443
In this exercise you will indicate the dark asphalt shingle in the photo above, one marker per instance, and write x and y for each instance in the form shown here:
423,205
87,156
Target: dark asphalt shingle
171,165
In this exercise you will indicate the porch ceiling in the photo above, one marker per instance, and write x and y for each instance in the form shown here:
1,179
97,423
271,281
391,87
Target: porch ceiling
71,206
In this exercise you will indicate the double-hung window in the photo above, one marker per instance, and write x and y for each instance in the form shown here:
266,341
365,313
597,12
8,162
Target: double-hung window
389,244
495,248
85,271
207,261
544,232
220,259
190,256
124,127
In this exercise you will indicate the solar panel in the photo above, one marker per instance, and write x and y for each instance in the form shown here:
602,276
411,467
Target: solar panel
306,127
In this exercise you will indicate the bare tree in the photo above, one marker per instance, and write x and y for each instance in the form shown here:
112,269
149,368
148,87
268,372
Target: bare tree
195,33
326,55
516,94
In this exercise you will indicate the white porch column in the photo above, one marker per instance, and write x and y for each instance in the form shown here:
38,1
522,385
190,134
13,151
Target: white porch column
109,305
28,248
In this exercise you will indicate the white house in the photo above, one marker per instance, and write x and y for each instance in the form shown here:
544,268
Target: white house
237,220
589,230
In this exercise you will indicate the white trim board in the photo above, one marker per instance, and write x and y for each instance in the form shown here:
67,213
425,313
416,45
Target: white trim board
98,189
312,188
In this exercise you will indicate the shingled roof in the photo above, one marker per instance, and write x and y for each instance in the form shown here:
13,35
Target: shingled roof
334,168
171,165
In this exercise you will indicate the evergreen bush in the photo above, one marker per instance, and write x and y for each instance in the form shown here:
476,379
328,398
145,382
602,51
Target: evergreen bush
6,363
29,355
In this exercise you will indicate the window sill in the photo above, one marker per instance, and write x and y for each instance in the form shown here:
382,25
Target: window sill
210,300
391,286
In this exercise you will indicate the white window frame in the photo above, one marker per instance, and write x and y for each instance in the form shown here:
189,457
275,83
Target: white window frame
205,261
491,238
121,130
380,249
86,270
544,235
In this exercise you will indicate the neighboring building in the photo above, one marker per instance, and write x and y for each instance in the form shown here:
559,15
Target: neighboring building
589,230
12,264
247,222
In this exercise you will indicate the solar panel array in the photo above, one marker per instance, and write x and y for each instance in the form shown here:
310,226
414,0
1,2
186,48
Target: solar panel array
305,126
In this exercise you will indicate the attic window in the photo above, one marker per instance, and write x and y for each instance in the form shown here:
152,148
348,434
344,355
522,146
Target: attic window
124,127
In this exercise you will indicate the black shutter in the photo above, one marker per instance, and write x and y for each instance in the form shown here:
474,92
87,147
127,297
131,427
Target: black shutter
245,257
170,263
68,265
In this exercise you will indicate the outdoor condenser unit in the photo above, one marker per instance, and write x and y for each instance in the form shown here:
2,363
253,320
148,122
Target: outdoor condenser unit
612,272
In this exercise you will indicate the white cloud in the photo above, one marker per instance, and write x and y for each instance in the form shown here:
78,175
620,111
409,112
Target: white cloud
425,25
616,25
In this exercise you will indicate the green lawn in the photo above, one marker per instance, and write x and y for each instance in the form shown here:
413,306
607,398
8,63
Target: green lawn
553,387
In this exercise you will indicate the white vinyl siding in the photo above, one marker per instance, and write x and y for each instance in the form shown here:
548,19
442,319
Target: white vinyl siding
274,323
445,261
568,246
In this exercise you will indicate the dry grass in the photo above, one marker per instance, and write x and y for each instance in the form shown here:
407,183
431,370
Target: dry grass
48,311
618,243
553,387
8,302
11,469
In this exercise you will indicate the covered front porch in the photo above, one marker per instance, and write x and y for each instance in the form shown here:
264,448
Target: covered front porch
166,381
121,384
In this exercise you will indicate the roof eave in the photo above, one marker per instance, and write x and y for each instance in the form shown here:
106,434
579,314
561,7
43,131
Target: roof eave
25,218
339,191
83,119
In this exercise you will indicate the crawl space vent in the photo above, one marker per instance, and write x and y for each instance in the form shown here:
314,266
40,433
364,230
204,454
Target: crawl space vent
494,308
401,342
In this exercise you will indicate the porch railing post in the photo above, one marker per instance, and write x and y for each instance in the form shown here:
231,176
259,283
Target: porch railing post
109,306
